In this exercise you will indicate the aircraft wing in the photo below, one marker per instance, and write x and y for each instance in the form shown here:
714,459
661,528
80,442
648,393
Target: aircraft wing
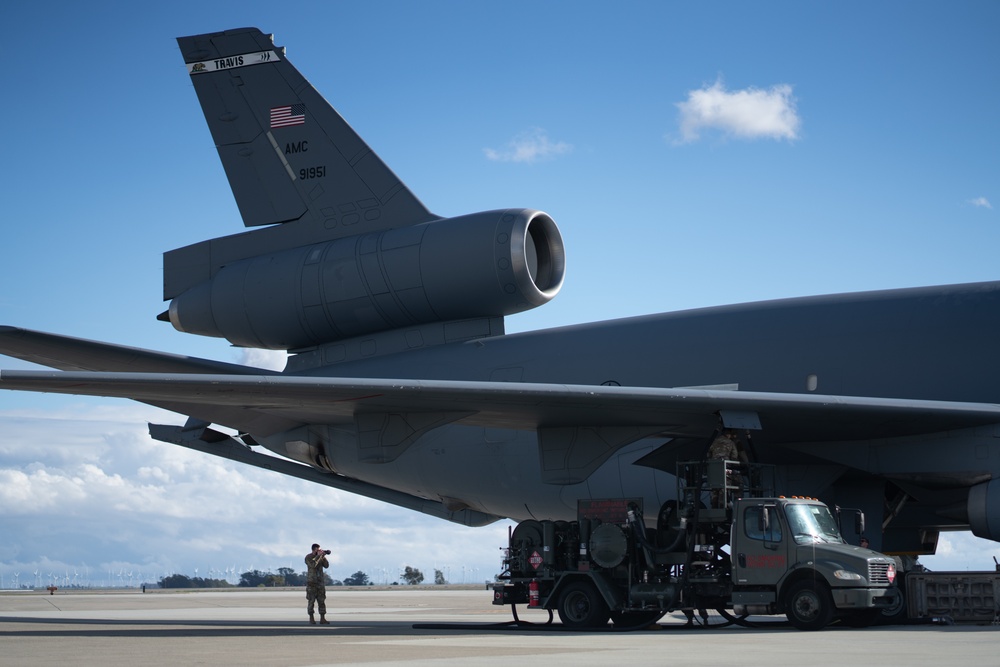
516,405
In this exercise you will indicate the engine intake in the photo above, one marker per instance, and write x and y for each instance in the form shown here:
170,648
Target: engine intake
488,264
984,510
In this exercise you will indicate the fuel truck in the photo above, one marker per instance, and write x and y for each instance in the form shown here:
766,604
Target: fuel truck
727,544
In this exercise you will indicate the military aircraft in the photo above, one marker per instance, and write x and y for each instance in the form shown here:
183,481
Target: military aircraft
401,384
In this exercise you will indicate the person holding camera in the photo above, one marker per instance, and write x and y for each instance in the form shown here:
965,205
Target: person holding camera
316,583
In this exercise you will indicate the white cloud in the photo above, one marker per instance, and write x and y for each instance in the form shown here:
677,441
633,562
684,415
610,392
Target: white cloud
751,113
274,360
962,551
981,202
530,146
102,499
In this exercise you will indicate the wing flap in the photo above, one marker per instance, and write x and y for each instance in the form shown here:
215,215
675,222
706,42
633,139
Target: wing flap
201,440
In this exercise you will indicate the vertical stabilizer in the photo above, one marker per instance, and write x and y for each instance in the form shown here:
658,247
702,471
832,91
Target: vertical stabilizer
288,154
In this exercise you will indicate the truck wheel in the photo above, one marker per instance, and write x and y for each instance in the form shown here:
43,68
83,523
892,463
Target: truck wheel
809,606
581,606
635,619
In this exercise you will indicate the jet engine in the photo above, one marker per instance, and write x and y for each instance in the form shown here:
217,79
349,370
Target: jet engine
487,264
984,510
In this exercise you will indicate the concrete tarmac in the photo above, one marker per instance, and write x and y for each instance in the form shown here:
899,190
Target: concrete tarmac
376,628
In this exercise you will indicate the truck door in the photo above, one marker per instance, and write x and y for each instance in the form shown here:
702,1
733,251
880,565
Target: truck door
759,545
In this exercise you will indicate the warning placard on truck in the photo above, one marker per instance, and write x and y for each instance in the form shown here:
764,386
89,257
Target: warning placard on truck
607,510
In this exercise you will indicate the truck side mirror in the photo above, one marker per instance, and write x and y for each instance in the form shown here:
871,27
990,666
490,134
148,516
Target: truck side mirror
859,523
764,520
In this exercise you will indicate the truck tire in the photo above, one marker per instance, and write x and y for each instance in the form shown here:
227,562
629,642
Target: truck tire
808,605
582,606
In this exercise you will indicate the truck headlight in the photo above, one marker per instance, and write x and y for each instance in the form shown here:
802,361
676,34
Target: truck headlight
847,575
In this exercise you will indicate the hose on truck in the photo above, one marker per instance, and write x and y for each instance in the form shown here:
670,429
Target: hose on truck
639,530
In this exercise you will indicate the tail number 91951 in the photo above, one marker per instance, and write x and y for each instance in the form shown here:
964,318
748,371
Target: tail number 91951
312,172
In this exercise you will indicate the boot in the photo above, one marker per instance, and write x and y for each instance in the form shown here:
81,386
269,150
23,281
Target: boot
322,620
312,619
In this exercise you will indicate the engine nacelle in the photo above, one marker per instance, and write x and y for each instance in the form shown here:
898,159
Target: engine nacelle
486,264
984,510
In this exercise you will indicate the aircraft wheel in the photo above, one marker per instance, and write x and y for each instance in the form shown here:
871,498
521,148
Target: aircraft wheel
582,606
635,619
809,606
896,612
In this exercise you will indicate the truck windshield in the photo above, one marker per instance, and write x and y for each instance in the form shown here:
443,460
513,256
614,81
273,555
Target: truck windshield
812,523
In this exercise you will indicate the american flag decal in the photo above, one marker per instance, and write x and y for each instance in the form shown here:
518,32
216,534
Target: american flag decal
293,114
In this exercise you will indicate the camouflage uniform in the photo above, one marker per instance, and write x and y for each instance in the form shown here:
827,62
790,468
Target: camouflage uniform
316,582
725,448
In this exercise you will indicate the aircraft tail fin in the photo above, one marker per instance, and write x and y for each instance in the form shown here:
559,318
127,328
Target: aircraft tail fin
287,153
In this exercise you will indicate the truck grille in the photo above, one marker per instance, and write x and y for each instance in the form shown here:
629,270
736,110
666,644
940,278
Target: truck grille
878,573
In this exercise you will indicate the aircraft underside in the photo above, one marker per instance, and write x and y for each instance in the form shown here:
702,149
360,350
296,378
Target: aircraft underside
500,476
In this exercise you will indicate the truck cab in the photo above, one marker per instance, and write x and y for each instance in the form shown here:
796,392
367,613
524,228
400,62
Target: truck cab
788,555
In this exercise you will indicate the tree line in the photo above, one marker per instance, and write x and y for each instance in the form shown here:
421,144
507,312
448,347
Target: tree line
286,576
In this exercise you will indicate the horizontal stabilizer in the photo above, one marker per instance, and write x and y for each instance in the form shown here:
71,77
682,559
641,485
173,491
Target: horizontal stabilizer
66,353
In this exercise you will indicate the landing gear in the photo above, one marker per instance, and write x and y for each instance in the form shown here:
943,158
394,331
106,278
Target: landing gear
895,613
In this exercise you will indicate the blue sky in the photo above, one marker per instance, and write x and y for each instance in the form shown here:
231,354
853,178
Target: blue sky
693,154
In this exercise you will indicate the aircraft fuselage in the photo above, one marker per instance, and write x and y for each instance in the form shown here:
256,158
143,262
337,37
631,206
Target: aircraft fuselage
928,343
